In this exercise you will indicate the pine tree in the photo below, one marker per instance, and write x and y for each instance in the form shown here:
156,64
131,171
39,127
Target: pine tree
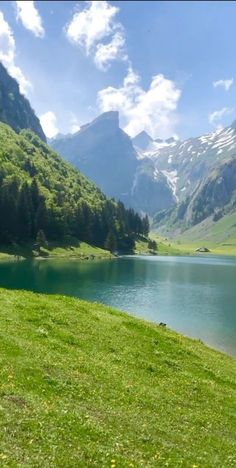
152,245
41,217
41,239
8,210
146,226
35,201
24,214
111,242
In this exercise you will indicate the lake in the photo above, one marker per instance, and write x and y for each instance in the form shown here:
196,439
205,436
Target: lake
193,295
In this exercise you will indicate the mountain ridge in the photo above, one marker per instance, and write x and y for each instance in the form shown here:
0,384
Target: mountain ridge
106,154
15,109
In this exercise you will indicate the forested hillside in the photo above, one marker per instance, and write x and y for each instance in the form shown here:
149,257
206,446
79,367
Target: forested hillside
41,195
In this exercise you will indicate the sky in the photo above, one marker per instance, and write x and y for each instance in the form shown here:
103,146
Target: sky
168,67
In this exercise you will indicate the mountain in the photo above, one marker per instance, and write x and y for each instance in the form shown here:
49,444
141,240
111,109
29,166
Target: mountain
151,190
39,191
142,141
192,160
203,172
43,195
105,154
15,109
178,183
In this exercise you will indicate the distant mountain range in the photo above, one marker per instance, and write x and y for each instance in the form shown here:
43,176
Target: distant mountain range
202,172
178,183
107,155
144,143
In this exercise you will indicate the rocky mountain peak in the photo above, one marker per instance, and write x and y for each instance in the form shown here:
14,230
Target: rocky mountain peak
142,140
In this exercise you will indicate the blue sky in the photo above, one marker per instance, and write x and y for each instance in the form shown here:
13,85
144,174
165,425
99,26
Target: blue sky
168,67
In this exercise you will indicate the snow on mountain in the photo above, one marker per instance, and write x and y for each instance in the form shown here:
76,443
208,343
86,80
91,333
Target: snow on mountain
191,160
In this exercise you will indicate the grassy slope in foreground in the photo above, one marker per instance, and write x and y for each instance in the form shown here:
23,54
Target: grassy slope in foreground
84,385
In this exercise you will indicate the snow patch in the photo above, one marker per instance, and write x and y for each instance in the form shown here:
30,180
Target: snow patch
172,180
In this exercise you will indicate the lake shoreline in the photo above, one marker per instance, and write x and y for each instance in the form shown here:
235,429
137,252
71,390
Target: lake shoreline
74,249
66,254
186,293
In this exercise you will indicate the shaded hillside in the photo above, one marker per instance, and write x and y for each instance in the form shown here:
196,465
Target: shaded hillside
214,198
15,109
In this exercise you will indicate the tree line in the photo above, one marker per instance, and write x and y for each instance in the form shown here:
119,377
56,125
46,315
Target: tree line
25,212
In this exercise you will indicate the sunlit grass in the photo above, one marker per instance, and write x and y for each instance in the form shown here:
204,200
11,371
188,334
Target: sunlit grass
72,249
83,385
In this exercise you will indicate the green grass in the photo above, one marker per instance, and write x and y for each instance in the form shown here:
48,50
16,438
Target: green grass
83,385
77,249
219,237
222,231
188,242
165,247
68,249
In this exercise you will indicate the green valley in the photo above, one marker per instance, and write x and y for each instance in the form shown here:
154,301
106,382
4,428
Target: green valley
117,235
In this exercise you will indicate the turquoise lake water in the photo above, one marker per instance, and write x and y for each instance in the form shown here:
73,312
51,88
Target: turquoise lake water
193,295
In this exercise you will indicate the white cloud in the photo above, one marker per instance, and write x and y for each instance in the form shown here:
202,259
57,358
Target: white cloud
226,84
75,127
30,18
114,50
217,115
94,24
153,110
7,55
49,124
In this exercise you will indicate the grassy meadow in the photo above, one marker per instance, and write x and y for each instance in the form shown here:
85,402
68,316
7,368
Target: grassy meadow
84,385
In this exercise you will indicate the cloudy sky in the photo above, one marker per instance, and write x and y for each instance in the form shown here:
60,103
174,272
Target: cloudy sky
168,67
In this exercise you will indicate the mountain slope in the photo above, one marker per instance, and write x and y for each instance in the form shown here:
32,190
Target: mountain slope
222,231
15,109
40,191
105,153
188,180
142,141
151,190
203,173
192,160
